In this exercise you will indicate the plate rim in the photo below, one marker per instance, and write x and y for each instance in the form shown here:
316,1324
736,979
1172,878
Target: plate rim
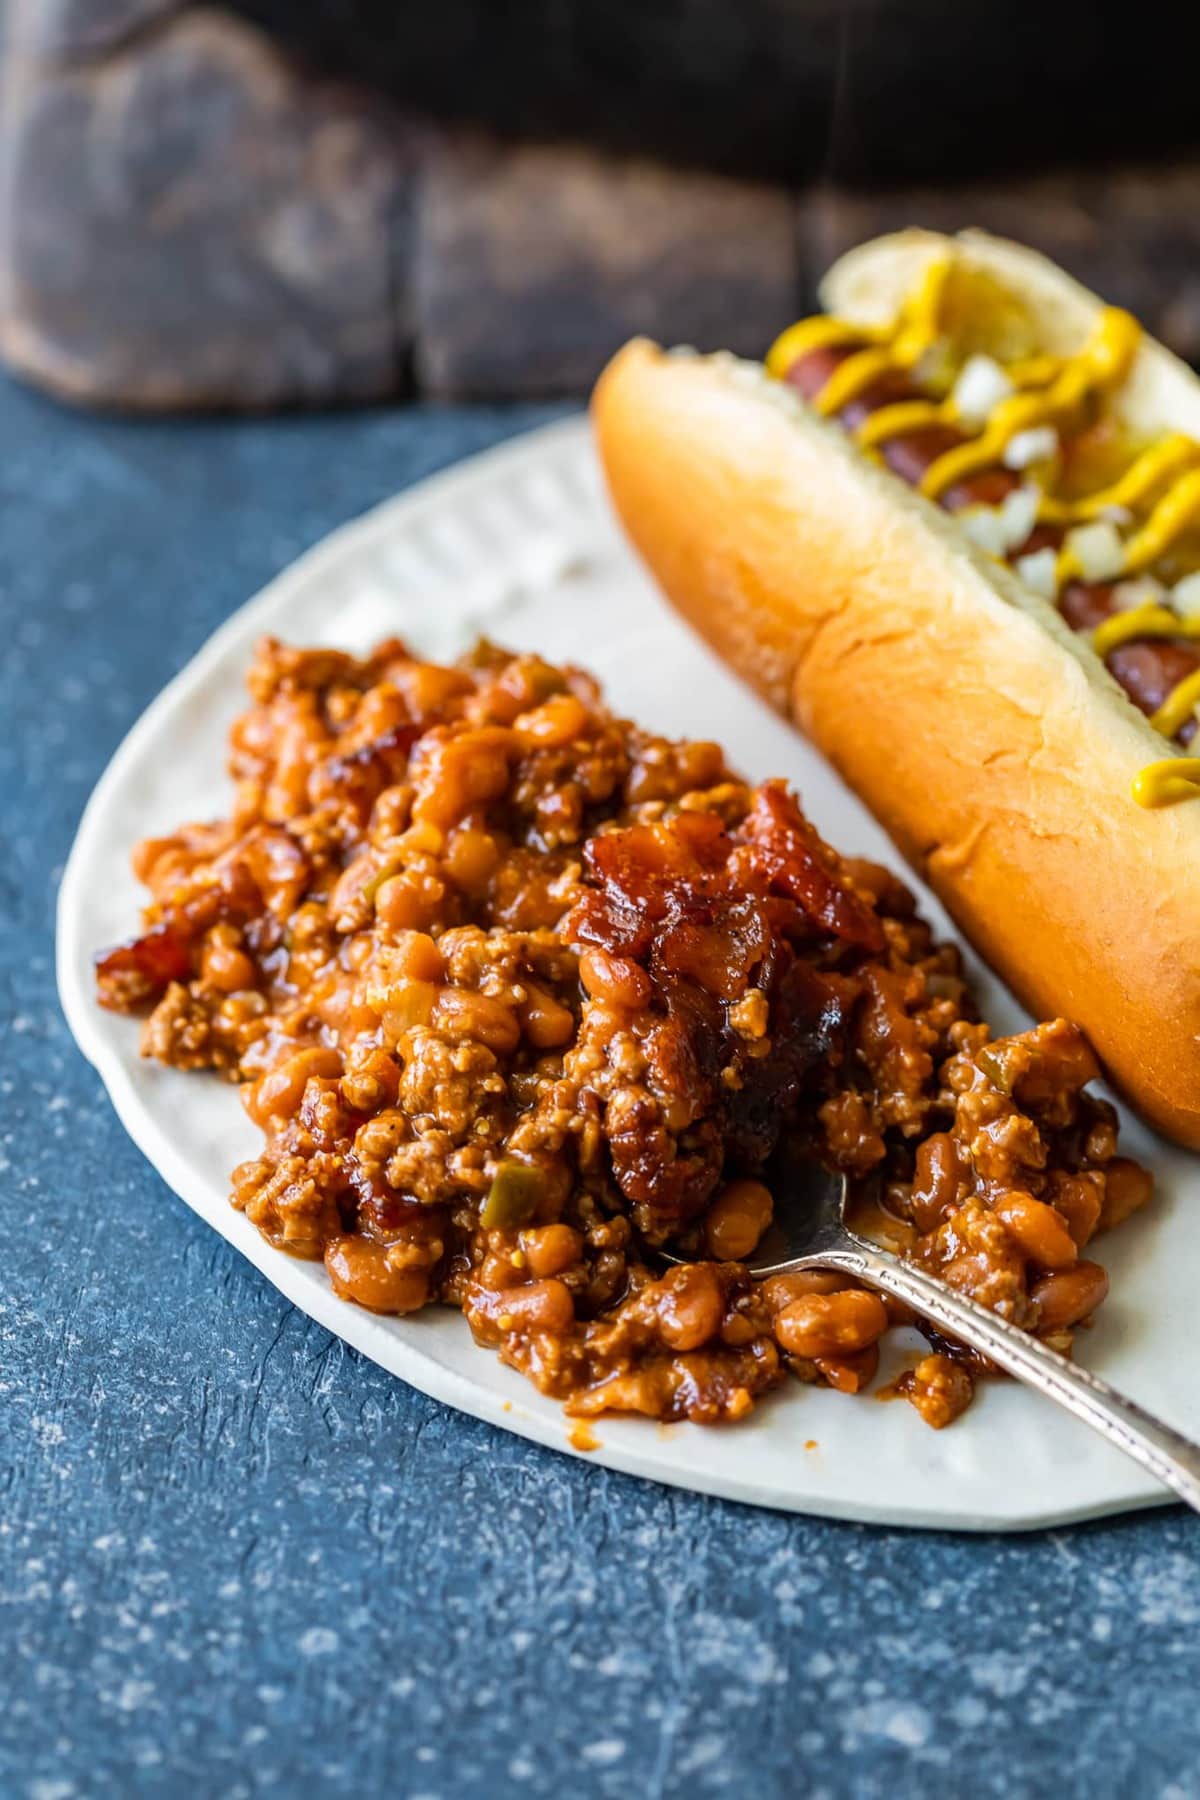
292,1278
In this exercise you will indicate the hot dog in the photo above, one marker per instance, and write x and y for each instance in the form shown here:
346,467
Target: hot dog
953,530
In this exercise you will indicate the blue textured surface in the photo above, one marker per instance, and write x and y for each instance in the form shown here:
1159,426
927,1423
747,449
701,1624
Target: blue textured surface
235,1558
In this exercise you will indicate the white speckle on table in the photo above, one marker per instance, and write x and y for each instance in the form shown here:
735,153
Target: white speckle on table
1168,1589
604,1751
1000,1672
132,1695
898,1722
738,1646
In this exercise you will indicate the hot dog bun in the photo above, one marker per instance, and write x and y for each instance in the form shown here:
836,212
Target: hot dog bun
987,737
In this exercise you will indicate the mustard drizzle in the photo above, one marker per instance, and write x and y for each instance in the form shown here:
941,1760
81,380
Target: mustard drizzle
901,418
884,349
1175,512
1166,783
1171,456
1178,706
1149,621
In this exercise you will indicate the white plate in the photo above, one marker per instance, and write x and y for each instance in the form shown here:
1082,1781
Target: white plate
519,544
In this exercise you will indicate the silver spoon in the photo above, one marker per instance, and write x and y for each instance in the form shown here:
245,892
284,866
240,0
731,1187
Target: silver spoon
815,1235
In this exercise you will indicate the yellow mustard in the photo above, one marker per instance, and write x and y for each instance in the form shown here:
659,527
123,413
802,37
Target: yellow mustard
1034,371
885,350
1162,461
901,418
1165,783
1178,509
820,333
1178,706
1149,621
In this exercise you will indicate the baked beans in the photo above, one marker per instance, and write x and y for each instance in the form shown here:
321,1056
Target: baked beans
520,995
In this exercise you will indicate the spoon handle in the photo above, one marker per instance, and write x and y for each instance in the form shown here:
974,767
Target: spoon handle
1171,1458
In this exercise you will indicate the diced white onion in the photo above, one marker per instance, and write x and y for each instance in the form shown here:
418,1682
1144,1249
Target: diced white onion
1185,596
1039,571
1038,444
1145,591
1097,548
981,386
1019,512
999,530
984,525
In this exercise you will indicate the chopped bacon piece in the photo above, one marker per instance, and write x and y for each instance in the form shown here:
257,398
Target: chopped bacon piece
141,969
788,851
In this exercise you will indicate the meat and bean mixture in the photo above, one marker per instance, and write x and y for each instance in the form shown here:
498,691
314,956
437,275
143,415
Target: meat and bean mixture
519,994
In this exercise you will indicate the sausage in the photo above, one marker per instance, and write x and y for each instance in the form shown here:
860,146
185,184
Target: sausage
1148,669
